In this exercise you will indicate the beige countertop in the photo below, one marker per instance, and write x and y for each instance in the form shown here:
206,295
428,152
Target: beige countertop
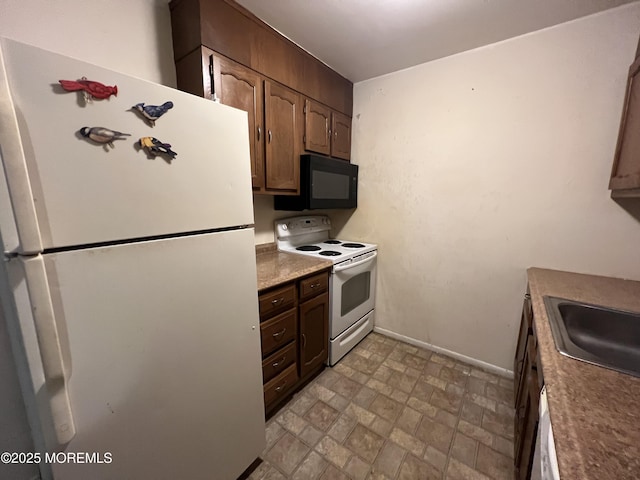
275,268
595,412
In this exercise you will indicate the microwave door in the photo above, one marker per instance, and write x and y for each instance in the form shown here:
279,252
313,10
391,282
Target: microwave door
329,189
333,186
324,183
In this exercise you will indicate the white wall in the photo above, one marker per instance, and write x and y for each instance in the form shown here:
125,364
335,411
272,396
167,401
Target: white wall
130,36
479,165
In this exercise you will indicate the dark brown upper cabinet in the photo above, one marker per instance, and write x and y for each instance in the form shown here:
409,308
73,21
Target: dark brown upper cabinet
231,30
283,112
222,51
341,136
242,88
317,127
274,119
625,174
326,131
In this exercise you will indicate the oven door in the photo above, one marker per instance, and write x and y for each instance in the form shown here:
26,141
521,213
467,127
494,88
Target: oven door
353,289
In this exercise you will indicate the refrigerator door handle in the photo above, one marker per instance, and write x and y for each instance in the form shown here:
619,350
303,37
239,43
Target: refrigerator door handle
15,167
50,347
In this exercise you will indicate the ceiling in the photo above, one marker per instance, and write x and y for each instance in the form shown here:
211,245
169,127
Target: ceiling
362,39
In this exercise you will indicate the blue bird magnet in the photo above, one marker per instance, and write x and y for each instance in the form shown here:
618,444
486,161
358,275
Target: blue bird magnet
155,147
151,113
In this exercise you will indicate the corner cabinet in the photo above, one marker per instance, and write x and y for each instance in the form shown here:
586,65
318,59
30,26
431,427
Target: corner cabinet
326,131
625,174
294,328
527,384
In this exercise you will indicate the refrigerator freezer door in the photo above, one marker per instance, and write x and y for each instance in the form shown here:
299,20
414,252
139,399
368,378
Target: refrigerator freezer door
160,346
67,190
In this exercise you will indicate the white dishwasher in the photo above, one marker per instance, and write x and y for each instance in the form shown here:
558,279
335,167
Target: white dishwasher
545,463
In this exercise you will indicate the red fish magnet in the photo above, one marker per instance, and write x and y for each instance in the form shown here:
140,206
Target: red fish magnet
89,88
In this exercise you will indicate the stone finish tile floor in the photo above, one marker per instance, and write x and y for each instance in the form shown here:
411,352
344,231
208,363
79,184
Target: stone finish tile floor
392,411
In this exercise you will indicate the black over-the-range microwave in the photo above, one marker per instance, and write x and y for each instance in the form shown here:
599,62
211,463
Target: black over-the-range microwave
324,183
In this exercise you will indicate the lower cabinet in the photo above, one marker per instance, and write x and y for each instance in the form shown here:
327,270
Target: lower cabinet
528,382
314,333
294,328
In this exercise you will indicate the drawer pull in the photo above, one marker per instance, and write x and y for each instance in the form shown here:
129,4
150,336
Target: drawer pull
314,285
280,387
280,333
277,301
279,362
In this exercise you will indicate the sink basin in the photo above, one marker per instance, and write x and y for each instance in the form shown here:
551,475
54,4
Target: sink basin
599,335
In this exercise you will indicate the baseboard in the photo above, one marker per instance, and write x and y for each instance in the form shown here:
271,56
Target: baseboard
503,372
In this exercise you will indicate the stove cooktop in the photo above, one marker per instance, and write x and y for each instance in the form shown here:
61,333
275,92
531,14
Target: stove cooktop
310,236
332,249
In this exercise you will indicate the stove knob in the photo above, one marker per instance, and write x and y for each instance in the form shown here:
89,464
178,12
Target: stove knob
285,226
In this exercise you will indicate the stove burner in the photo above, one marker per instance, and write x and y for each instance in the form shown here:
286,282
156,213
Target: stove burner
308,248
330,253
333,242
353,245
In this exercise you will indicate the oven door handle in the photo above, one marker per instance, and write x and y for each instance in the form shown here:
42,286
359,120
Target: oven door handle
339,268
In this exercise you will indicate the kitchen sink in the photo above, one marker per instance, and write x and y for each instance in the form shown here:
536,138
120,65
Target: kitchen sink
599,335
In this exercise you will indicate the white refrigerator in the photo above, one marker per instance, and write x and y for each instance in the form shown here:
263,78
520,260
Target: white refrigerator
129,281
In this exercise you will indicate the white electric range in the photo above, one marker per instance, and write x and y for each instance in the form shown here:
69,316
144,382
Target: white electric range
352,283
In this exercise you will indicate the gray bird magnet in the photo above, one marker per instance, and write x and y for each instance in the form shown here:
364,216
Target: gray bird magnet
103,136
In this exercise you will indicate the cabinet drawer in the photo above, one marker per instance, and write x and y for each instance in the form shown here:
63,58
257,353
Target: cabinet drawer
312,286
278,331
277,300
278,361
280,385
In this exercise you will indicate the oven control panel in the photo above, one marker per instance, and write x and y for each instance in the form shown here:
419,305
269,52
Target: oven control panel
288,227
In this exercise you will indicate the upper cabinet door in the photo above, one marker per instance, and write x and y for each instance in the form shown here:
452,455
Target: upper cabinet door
283,118
341,136
241,88
317,127
625,175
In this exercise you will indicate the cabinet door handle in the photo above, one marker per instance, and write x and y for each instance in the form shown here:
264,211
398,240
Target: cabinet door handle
280,333
304,340
279,362
277,301
259,133
269,132
527,296
280,387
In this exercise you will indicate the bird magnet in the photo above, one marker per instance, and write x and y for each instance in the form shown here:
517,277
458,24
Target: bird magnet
102,136
155,147
151,113
90,89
